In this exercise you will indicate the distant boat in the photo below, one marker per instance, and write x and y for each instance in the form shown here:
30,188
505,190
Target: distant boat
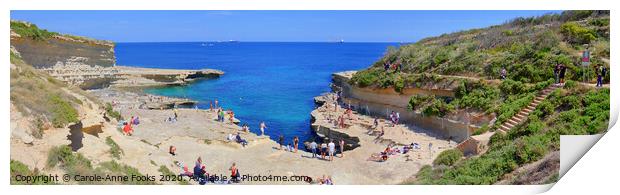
341,40
233,41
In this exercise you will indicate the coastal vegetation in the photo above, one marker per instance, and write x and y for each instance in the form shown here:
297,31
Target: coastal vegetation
115,150
109,110
74,163
166,172
528,48
31,31
51,104
570,111
470,62
448,157
19,168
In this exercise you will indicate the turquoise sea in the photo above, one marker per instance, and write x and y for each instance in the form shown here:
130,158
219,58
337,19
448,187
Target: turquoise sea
273,82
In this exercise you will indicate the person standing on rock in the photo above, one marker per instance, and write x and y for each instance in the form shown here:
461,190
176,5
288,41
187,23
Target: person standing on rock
231,116
281,141
295,143
216,104
332,149
376,123
341,148
323,150
262,128
313,146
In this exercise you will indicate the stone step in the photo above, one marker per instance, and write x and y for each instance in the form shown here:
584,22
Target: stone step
519,119
531,107
528,111
513,121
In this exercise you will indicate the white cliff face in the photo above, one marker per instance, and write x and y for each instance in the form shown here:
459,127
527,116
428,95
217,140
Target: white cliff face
75,71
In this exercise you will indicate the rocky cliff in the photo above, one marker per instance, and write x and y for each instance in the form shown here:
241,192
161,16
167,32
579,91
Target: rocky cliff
46,50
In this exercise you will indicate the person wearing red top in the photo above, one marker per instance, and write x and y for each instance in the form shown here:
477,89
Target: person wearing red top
127,129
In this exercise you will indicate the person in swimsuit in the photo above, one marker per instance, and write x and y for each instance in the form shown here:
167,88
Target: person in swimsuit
262,128
341,148
295,143
234,174
323,150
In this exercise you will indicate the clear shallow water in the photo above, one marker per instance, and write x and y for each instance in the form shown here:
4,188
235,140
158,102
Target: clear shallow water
271,82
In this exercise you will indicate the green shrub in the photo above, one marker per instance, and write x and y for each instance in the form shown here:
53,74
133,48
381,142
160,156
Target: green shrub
512,105
419,100
437,107
448,157
165,171
72,163
570,84
599,22
576,33
31,31
112,113
511,87
483,129
535,125
116,168
477,95
366,78
115,150
531,148
62,111
19,168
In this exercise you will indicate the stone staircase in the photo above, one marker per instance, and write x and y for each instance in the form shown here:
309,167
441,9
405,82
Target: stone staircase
478,144
522,115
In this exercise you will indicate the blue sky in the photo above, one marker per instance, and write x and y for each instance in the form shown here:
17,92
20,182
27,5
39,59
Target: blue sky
319,26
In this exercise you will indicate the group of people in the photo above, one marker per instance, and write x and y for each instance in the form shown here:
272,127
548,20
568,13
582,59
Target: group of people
200,174
326,149
237,138
289,147
397,66
174,117
221,115
128,125
391,150
559,72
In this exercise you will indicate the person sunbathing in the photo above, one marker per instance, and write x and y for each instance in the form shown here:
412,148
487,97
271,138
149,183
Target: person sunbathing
241,141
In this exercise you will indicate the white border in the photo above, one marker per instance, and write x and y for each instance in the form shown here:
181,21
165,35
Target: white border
596,172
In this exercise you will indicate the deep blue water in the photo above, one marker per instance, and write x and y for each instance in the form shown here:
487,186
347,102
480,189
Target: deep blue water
271,82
